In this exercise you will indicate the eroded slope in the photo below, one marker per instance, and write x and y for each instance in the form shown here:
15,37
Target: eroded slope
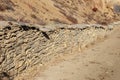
58,11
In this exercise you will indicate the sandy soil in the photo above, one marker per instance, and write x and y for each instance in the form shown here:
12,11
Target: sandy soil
100,62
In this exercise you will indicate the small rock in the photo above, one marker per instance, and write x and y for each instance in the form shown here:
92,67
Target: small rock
4,76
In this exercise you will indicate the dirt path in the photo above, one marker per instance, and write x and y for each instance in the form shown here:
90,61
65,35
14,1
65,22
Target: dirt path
101,62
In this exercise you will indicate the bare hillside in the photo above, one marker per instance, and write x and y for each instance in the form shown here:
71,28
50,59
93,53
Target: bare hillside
58,11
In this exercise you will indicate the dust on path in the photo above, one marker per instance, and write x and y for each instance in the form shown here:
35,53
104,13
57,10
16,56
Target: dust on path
101,62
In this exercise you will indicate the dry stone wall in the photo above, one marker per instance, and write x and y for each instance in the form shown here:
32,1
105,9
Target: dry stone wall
23,46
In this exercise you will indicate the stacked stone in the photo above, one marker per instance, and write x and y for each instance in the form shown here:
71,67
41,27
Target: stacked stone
23,46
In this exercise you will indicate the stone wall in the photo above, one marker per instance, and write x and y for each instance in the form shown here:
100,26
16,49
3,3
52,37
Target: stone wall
23,46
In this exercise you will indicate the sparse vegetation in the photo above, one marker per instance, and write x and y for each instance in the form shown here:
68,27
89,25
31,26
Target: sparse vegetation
58,21
34,16
117,9
6,5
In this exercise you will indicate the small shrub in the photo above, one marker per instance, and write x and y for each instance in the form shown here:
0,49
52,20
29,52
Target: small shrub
6,5
33,16
117,8
95,9
72,19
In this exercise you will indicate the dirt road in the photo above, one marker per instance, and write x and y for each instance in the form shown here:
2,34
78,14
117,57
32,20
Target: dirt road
100,62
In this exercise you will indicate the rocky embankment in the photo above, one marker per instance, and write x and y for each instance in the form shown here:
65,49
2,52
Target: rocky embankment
22,46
